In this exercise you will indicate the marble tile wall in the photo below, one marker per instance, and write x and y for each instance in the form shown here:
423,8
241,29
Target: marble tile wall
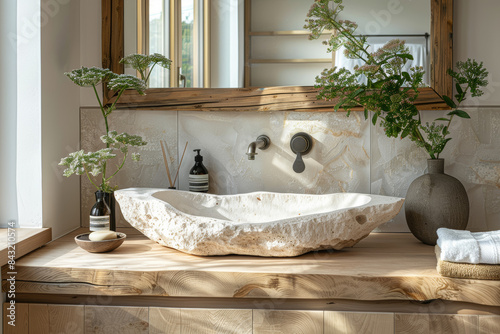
153,126
338,162
348,155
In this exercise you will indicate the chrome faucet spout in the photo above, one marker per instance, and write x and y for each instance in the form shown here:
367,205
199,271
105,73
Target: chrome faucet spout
261,143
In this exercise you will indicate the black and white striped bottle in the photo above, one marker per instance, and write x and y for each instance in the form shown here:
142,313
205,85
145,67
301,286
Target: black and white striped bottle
100,214
198,175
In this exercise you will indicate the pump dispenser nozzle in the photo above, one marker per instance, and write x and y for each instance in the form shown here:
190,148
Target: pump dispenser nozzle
198,157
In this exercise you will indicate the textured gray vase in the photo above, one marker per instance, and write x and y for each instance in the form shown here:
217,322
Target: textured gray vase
435,200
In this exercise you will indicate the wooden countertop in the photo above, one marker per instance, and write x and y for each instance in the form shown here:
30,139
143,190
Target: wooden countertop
384,266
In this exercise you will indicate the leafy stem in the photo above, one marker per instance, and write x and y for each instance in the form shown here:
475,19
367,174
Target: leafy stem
90,179
149,72
119,168
102,108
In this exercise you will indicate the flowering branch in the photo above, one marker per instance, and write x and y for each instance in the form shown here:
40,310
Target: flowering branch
95,163
145,64
389,91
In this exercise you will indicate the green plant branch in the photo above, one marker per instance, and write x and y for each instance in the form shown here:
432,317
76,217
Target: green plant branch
113,107
88,176
426,145
104,180
105,115
102,109
119,168
150,71
351,38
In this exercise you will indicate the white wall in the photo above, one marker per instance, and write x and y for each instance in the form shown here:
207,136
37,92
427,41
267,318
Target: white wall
8,105
29,132
41,108
90,44
60,101
476,28
389,16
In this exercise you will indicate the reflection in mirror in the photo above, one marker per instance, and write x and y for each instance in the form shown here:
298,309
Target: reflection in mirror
382,21
205,39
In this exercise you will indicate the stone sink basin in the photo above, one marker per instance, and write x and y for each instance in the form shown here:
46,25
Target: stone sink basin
260,223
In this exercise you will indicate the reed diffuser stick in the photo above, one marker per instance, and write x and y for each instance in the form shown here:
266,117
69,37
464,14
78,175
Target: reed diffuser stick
166,163
180,163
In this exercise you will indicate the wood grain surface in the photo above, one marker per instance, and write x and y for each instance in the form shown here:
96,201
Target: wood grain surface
213,321
66,319
436,323
436,306
354,322
284,322
258,99
164,320
442,46
489,324
383,266
39,319
49,318
187,321
21,319
26,240
116,319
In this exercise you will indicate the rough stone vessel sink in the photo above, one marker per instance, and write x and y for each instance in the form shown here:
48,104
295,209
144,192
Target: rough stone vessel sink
260,223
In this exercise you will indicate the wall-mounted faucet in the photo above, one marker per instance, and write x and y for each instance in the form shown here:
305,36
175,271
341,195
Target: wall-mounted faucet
301,144
262,143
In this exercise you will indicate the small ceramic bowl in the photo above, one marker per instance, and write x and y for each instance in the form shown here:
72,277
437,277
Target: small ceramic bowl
103,246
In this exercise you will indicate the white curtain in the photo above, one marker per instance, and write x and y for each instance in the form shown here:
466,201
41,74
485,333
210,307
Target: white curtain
417,50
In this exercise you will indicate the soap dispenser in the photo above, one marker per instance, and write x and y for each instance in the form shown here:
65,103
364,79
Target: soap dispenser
198,175
100,214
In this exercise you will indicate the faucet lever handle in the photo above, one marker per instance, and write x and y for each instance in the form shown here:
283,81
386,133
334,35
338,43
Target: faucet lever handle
298,165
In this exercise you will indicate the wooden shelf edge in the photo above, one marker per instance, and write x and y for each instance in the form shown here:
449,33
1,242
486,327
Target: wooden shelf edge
242,285
27,240
254,99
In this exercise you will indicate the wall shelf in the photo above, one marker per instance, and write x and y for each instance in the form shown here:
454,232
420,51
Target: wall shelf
260,50
284,33
289,61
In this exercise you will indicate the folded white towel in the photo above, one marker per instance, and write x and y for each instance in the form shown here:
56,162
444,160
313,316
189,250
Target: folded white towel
468,247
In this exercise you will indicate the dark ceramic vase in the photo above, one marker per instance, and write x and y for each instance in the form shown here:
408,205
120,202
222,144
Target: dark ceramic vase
435,200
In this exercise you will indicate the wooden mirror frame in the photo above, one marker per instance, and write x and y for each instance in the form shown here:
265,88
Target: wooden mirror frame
286,98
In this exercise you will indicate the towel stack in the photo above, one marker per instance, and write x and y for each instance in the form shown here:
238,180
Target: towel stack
463,254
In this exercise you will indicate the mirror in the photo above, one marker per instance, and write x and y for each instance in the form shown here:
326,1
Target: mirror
270,47
205,39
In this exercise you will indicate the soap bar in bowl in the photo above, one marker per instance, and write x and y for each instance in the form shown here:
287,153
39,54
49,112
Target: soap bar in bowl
98,244
102,235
